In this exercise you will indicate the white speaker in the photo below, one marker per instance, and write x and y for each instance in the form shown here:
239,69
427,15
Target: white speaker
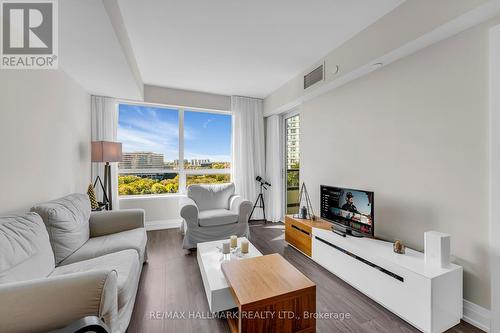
437,249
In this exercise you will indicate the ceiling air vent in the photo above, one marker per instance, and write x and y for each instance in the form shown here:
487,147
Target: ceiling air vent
313,77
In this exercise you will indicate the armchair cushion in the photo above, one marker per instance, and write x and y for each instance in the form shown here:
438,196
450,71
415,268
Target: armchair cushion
213,217
67,223
125,263
25,251
211,196
134,239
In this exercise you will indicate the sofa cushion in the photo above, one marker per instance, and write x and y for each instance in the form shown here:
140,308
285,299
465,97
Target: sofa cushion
134,239
67,222
212,196
125,263
213,217
25,251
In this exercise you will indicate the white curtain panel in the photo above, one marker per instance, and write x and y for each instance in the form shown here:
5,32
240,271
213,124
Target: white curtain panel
274,168
248,147
104,128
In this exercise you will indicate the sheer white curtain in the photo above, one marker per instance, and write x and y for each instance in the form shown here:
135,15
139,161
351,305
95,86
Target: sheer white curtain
104,112
274,168
248,147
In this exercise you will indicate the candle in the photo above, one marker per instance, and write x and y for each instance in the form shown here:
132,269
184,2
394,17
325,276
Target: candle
225,248
244,246
234,241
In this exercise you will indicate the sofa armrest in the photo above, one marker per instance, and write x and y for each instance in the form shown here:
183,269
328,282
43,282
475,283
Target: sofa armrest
110,222
234,203
189,211
87,324
51,303
243,207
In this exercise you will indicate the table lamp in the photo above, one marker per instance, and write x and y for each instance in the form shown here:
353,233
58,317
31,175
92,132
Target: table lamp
106,152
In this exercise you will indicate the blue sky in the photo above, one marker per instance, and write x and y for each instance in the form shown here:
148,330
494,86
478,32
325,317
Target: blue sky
206,135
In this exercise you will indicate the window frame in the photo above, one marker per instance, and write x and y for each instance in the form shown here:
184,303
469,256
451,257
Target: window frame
181,171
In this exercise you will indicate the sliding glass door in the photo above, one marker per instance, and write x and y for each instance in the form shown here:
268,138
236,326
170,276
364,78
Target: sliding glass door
292,162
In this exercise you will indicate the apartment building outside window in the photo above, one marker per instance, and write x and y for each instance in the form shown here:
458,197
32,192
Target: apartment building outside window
292,160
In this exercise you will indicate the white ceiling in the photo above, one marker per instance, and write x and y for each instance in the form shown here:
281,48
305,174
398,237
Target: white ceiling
236,47
90,52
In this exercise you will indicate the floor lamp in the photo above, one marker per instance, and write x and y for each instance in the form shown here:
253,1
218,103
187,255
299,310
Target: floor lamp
106,152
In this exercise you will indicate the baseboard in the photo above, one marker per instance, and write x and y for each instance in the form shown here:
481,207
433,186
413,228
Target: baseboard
163,224
477,316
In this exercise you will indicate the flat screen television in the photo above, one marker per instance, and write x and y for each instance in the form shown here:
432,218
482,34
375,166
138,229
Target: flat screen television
351,210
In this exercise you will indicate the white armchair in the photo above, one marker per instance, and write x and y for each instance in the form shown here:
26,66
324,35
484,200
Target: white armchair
213,212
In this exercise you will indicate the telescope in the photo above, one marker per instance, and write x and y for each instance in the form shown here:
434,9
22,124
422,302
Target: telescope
259,203
262,182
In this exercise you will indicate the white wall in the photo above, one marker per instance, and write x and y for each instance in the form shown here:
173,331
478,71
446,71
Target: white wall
44,137
494,62
415,132
159,208
195,99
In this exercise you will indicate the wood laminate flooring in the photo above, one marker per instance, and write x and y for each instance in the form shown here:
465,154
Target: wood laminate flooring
171,285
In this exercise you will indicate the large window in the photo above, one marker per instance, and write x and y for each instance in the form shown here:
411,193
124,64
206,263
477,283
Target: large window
156,140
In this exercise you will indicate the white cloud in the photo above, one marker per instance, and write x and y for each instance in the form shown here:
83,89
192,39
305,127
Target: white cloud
155,141
208,121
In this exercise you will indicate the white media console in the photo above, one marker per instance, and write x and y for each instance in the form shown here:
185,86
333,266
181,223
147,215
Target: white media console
428,297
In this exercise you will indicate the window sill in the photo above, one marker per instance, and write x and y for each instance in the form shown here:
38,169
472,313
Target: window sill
152,196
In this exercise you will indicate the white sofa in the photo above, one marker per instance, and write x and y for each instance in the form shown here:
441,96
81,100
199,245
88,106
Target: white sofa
212,212
61,263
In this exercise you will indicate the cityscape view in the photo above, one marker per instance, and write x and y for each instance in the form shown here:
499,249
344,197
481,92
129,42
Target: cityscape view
150,160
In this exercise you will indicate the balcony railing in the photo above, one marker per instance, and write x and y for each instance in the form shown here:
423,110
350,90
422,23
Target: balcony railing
292,191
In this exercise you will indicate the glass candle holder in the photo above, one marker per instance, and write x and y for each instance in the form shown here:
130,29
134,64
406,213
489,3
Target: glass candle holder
244,246
225,248
234,241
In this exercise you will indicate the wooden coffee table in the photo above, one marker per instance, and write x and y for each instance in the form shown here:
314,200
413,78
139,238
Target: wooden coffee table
271,295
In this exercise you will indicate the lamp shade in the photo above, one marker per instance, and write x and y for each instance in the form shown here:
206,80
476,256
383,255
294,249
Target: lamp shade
106,151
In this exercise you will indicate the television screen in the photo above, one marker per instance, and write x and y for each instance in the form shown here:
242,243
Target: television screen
350,208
